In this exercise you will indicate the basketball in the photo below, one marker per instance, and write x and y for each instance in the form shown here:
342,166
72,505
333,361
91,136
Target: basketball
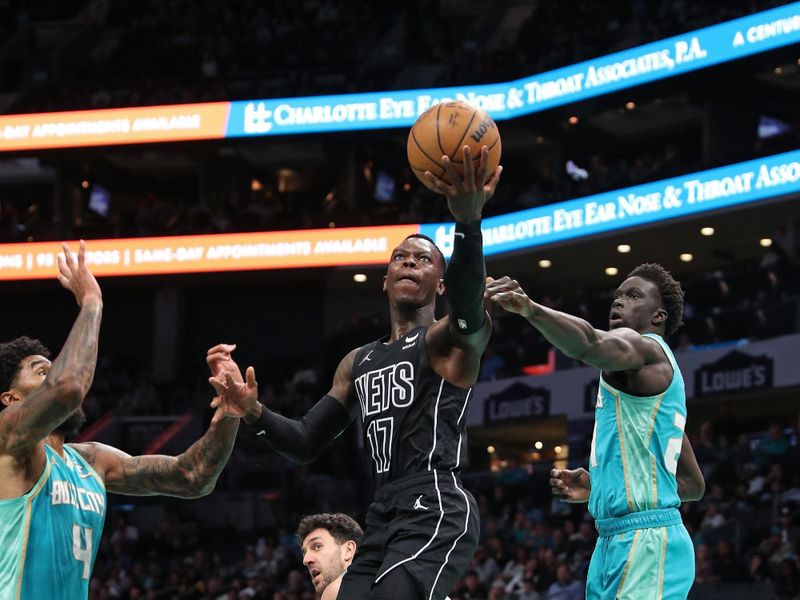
444,129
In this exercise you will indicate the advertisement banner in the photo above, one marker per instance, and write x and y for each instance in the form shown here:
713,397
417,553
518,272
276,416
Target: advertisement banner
140,125
631,207
203,253
673,56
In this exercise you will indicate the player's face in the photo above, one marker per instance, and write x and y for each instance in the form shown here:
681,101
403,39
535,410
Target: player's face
32,373
323,557
636,304
413,276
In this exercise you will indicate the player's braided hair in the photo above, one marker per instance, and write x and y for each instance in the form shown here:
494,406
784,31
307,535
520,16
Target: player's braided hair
340,526
440,259
670,290
11,355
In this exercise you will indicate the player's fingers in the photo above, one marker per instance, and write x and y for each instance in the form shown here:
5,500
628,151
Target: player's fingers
436,184
491,185
469,166
222,348
250,374
218,385
64,281
480,173
62,266
68,260
452,174
82,255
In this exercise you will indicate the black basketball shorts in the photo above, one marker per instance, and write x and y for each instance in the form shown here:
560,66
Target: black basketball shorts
427,524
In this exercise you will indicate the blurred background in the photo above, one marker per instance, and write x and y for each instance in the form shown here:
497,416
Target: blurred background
739,265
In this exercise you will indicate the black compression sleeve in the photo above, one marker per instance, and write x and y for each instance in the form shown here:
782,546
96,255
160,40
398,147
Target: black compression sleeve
465,280
301,441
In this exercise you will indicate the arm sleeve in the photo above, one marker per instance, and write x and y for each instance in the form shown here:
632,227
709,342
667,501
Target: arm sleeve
465,279
302,441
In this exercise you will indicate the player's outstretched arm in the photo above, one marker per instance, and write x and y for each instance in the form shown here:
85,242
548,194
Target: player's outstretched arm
619,350
24,424
189,475
300,441
457,342
691,483
571,485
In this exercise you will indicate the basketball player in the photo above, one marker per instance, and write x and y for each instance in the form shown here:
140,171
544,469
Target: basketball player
52,494
644,551
328,542
411,388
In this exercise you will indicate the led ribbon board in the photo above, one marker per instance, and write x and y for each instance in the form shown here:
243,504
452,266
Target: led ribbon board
204,253
380,110
715,189
663,200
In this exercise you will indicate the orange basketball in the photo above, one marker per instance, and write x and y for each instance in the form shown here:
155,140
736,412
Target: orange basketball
444,129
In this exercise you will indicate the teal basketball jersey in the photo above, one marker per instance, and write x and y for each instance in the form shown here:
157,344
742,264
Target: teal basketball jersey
49,537
635,447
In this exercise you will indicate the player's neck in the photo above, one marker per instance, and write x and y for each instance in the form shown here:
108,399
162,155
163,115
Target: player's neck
405,319
56,442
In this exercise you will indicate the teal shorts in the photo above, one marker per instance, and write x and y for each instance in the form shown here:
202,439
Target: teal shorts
642,556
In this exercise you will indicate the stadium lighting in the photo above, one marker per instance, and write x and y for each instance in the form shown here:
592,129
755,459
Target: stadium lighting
545,264
490,449
612,271
686,257
623,248
707,231
538,445
359,277
765,242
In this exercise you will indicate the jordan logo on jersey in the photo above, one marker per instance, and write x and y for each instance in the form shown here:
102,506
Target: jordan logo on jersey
390,386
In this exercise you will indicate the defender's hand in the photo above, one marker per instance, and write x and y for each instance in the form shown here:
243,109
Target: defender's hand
509,295
467,195
571,485
220,362
234,398
76,277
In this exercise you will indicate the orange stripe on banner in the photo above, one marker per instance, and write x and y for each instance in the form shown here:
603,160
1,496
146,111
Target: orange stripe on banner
114,126
206,253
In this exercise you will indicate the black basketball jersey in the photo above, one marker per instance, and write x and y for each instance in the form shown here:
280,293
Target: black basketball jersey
413,420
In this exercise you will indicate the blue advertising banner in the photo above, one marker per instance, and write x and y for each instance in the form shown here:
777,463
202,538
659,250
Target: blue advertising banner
631,207
625,69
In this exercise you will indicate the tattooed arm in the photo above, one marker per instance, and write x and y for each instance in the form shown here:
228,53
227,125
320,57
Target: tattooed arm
189,475
25,422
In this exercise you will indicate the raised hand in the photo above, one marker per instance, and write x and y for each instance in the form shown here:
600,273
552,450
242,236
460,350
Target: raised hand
76,277
509,295
571,485
220,362
234,398
467,195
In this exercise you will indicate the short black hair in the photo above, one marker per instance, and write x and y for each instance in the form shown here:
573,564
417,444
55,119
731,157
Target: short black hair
340,526
439,254
670,290
11,355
